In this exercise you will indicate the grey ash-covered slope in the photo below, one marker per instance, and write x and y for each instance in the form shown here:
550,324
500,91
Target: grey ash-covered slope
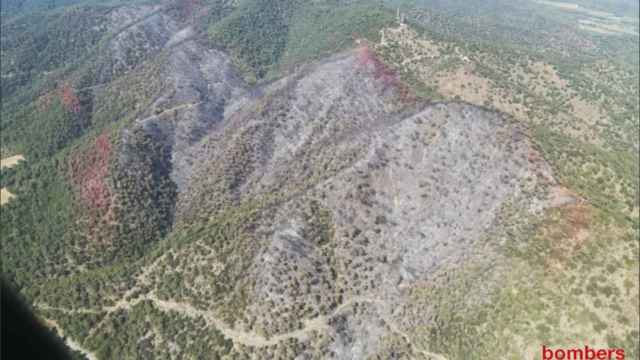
358,197
172,208
155,76
201,87
198,84
332,192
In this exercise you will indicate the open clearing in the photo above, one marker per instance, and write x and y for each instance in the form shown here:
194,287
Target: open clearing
9,162
5,196
606,28
596,21
561,5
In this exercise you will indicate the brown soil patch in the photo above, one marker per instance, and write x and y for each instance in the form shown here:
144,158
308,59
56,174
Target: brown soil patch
464,83
568,234
577,224
585,111
561,196
548,74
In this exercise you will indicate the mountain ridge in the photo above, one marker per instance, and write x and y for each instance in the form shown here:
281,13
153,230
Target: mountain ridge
347,206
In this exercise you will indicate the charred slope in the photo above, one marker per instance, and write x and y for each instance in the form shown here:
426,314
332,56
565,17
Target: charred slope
187,89
119,112
299,216
327,214
316,210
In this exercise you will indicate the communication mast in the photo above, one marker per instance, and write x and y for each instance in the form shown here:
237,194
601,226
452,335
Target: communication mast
400,17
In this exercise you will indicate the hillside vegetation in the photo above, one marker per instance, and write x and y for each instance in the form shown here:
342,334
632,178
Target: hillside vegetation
323,179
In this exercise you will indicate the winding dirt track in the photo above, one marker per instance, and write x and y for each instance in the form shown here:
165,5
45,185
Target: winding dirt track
246,338
252,339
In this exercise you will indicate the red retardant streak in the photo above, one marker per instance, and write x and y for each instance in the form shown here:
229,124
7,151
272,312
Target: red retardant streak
89,171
